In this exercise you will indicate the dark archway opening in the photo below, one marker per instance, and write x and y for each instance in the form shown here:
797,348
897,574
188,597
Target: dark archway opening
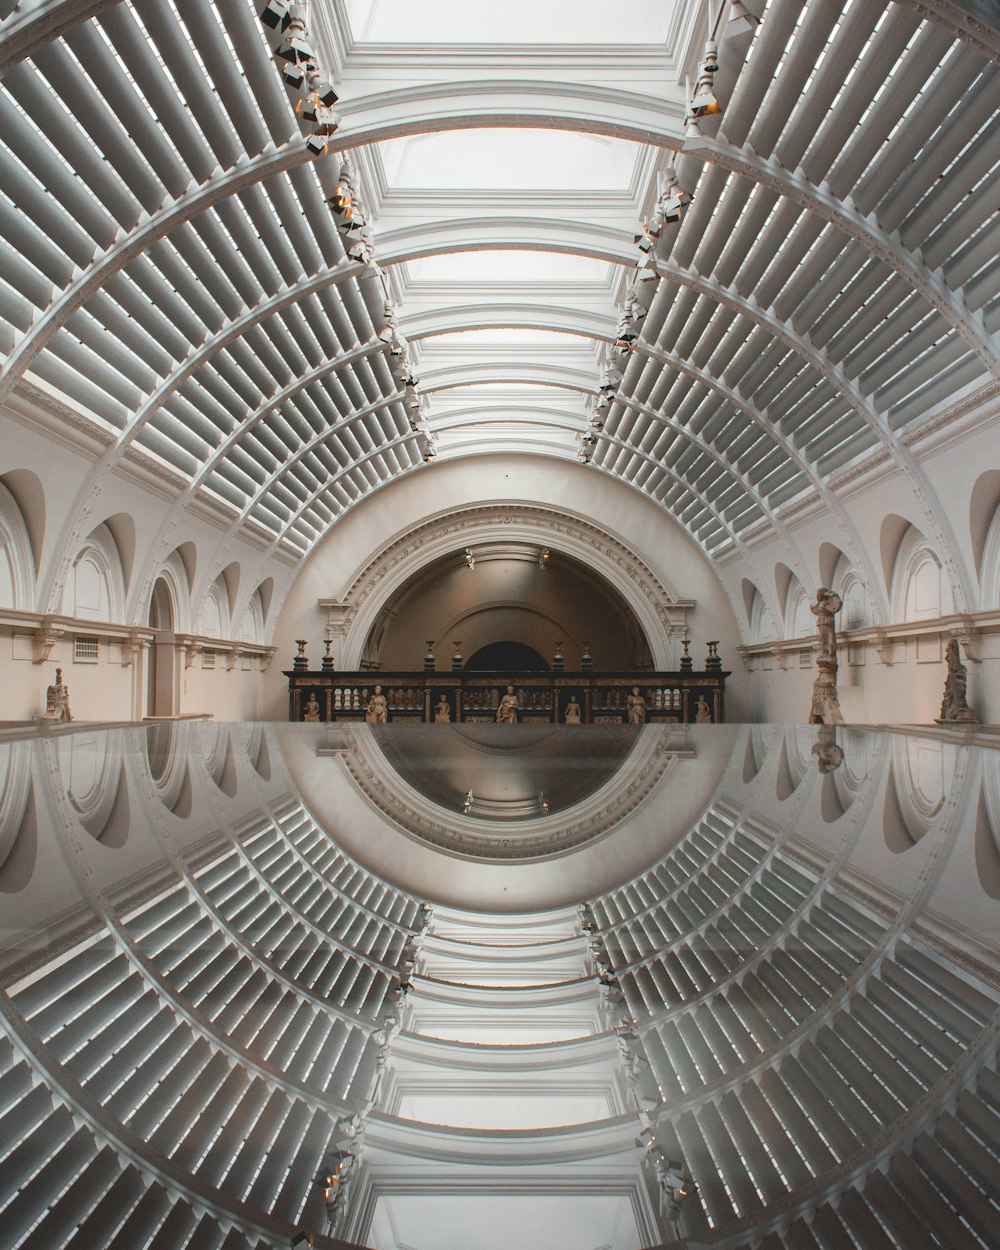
507,657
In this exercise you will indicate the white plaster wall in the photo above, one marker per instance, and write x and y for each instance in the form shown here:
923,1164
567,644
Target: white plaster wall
387,515
938,499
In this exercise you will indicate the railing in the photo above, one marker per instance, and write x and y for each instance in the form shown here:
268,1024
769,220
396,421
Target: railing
464,697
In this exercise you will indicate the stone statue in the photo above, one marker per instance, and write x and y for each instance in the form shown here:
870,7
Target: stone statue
57,702
702,712
954,708
573,714
829,754
377,711
825,707
442,712
507,711
311,712
636,708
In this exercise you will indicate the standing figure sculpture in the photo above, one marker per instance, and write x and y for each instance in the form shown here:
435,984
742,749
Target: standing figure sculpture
573,714
825,708
57,702
955,709
636,708
702,712
377,711
442,712
507,711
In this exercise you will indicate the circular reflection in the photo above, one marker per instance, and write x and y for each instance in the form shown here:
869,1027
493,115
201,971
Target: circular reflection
506,774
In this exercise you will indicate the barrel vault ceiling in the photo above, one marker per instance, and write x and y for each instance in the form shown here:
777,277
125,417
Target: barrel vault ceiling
178,278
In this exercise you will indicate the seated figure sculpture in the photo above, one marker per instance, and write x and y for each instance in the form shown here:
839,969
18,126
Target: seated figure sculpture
57,702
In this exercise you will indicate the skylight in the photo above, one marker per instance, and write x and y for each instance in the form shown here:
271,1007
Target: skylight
586,22
509,160
508,267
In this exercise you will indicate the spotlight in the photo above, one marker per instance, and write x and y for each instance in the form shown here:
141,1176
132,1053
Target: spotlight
674,199
470,559
275,14
704,102
543,558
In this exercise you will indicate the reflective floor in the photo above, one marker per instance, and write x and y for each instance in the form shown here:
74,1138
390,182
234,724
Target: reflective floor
474,987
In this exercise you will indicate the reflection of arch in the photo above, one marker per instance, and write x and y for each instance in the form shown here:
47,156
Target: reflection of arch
17,577
15,798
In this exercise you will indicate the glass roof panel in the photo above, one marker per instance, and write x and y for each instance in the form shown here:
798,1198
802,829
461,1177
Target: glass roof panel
508,266
515,22
509,159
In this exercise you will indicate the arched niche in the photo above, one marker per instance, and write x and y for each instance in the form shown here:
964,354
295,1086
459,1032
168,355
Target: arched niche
920,588
17,569
799,620
25,488
657,610
215,611
95,584
161,666
536,598
984,532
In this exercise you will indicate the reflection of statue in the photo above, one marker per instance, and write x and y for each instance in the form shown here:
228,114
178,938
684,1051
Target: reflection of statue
829,754
507,711
377,711
954,708
312,708
636,708
573,716
825,707
702,712
442,712
57,701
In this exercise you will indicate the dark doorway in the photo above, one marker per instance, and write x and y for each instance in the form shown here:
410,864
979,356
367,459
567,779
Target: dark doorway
507,657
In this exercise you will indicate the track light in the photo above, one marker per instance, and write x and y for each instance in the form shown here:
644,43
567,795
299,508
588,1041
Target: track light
470,559
275,14
704,102
674,199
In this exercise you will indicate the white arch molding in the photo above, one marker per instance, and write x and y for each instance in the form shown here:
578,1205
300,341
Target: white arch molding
660,610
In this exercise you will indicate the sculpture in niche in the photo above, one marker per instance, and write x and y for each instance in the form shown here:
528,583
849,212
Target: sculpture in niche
955,709
636,708
442,712
507,711
825,707
702,712
57,702
377,711
311,712
573,714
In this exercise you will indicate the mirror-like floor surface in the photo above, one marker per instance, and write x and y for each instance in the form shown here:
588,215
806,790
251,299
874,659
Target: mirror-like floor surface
436,988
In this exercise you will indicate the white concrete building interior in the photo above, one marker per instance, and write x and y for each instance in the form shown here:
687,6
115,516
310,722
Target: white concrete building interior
428,432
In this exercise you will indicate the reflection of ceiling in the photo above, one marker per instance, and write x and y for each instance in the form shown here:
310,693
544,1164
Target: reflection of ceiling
507,793
797,999
510,775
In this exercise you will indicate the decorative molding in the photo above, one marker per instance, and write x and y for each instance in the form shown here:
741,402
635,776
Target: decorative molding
661,611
